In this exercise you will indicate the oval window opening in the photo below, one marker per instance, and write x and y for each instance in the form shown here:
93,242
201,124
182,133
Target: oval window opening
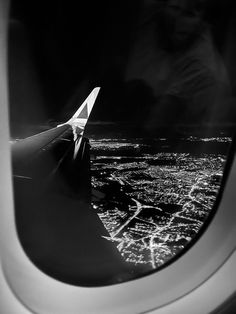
122,122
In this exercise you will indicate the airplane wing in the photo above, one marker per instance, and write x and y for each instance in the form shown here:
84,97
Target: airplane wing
57,227
31,149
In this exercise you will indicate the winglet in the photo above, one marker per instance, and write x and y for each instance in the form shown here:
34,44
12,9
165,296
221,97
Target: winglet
85,109
80,118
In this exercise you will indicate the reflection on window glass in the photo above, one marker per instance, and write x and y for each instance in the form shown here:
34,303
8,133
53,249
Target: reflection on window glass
128,192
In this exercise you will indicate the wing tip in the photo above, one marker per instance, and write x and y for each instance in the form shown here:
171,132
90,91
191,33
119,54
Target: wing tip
89,100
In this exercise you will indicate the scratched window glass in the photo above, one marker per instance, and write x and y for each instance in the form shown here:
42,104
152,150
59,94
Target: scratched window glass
122,119
157,165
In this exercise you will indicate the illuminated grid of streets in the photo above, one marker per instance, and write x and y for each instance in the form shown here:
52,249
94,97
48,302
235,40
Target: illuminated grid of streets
152,203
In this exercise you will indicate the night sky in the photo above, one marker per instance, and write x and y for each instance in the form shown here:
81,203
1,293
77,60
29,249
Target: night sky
70,42
59,51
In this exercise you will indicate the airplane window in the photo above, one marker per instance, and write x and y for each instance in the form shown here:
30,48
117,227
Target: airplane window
122,123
